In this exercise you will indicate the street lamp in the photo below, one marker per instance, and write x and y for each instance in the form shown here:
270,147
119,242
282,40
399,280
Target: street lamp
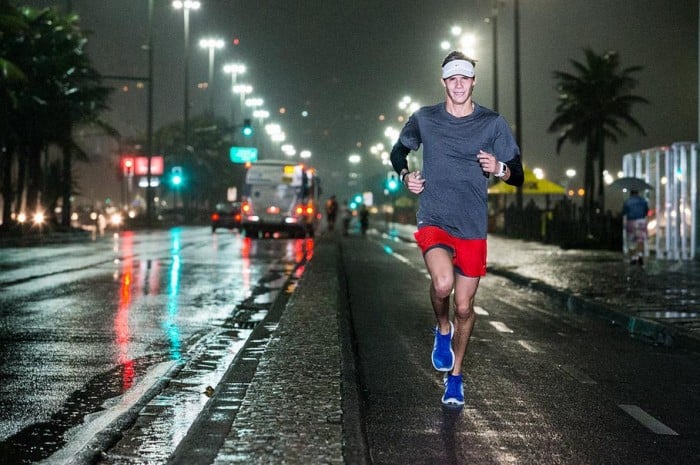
466,42
234,69
186,6
243,90
211,44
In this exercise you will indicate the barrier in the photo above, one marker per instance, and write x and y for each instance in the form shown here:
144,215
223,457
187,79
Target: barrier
673,172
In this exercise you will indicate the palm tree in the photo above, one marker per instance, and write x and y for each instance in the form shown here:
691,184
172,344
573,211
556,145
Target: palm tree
61,91
11,24
593,106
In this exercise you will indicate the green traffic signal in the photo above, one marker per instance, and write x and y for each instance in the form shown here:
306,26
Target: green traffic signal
176,180
247,128
392,185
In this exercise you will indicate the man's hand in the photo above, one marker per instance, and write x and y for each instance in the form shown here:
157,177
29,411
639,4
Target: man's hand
489,164
414,182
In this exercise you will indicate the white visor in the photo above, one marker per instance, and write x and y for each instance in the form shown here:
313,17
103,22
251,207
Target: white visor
463,67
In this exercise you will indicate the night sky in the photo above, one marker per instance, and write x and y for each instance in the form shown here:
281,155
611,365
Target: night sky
347,62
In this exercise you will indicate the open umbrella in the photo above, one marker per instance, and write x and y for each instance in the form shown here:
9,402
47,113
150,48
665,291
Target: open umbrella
631,184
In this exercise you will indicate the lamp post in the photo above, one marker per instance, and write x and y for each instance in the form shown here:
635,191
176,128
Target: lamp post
243,90
212,45
234,69
186,6
518,109
493,20
149,118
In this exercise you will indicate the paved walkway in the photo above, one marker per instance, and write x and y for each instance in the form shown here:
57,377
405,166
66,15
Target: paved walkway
305,409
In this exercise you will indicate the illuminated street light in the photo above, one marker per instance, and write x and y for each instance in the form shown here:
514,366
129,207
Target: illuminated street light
243,90
466,42
354,158
186,6
234,69
254,102
305,154
211,44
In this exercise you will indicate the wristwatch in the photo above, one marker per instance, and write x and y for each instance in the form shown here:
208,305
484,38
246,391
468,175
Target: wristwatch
501,173
403,175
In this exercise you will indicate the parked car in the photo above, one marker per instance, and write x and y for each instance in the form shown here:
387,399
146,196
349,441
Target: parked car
226,215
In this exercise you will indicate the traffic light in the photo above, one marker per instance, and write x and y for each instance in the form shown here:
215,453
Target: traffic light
247,128
128,166
176,176
392,181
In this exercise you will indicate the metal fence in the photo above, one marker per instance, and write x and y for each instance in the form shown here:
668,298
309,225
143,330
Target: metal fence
673,173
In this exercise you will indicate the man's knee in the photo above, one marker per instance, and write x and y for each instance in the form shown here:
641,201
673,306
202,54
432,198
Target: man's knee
443,285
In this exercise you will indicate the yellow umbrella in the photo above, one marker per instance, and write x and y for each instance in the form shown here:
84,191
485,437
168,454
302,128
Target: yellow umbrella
531,186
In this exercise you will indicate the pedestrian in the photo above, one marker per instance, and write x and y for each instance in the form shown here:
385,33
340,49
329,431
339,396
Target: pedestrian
331,212
634,211
347,217
364,219
463,144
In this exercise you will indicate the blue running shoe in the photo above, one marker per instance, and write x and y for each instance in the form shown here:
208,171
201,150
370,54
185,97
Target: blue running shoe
443,355
454,391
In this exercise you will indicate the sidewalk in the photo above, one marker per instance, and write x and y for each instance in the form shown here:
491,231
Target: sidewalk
302,405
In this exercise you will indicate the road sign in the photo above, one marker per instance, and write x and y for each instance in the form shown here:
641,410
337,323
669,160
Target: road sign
243,154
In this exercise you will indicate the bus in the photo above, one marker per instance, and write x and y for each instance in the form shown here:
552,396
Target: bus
280,196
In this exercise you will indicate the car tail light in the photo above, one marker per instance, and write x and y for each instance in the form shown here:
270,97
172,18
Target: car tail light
215,217
299,210
309,210
246,207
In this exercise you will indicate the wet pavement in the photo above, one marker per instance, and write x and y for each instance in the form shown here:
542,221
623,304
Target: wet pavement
303,404
294,397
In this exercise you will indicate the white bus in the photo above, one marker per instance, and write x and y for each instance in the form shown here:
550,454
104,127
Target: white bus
280,196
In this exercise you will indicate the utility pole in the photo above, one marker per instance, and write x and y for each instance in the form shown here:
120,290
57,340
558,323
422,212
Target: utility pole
518,110
149,120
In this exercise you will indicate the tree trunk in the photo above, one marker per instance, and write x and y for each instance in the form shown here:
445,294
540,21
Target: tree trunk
600,149
589,185
33,159
67,183
6,182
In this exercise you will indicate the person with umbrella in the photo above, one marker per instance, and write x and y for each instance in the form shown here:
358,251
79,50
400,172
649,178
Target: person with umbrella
635,211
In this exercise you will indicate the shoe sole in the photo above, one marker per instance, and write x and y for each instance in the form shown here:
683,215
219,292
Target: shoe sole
452,402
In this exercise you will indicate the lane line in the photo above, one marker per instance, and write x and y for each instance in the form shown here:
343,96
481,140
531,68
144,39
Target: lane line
647,420
480,310
527,346
501,327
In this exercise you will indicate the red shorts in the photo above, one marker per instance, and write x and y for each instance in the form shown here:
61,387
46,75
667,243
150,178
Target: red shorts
468,255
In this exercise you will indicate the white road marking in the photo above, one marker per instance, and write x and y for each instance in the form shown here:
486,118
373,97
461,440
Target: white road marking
527,346
501,327
577,374
480,310
647,420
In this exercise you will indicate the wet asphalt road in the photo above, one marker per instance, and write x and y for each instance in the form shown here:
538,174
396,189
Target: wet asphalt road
91,328
542,384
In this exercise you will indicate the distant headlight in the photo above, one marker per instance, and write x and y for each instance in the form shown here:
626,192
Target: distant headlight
39,218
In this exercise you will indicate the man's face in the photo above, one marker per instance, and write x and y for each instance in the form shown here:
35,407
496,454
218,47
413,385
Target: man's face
458,88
